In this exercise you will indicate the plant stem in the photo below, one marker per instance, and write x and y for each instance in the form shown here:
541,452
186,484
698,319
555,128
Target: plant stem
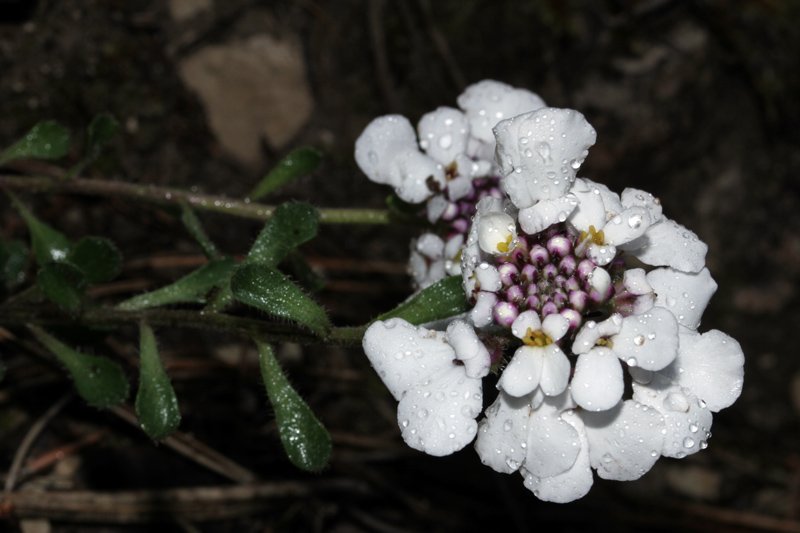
247,327
173,196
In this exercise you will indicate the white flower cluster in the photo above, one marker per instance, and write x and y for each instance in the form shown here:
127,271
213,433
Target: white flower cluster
595,293
449,169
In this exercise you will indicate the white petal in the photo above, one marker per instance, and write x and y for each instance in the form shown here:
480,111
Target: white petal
430,245
555,326
495,231
453,245
625,441
711,365
636,197
488,277
523,373
459,187
555,371
685,295
435,207
591,210
593,331
488,101
527,320
635,281
686,418
572,484
418,268
406,355
438,416
380,143
417,176
600,280
545,213
553,444
601,254
649,340
443,134
669,244
626,226
540,152
597,384
469,348
473,168
481,314
503,434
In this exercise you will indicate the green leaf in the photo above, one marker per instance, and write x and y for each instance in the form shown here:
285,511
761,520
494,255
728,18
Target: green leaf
298,163
98,258
299,268
100,381
291,225
304,438
443,299
48,244
195,229
63,284
13,263
190,288
156,403
46,140
267,289
103,128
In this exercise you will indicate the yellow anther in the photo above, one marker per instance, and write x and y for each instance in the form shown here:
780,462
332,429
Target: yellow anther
505,246
593,235
606,342
536,338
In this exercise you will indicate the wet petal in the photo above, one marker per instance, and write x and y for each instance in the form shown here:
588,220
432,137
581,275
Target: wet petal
488,277
555,326
468,348
540,152
443,134
592,331
488,102
430,245
591,210
527,320
637,197
685,295
496,231
523,373
380,143
438,415
710,365
572,484
625,441
553,444
503,434
597,384
404,355
417,176
555,371
635,281
649,340
481,314
626,226
686,419
545,213
669,244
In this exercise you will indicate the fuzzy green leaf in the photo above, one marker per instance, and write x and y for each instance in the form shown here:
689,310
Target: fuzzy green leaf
63,284
48,244
195,229
103,128
46,140
443,299
98,258
156,403
304,438
13,263
99,381
291,225
267,289
190,288
297,164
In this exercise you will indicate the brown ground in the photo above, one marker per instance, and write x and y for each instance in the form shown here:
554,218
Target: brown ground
694,101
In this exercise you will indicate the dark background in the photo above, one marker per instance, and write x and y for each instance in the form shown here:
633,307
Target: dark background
696,102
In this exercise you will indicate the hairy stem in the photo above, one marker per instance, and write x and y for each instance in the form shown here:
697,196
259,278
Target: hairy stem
110,317
172,196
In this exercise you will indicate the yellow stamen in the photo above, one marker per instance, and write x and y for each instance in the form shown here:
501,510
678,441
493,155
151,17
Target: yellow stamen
603,341
504,247
536,338
593,235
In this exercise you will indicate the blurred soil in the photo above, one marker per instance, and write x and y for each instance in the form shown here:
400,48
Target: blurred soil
695,101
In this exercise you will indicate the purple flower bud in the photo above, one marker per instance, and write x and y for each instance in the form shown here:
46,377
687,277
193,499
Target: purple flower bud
509,273
529,273
550,271
577,299
533,302
505,313
549,308
539,255
573,317
559,246
585,268
514,294
568,265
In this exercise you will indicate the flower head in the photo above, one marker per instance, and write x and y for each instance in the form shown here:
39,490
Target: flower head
597,298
